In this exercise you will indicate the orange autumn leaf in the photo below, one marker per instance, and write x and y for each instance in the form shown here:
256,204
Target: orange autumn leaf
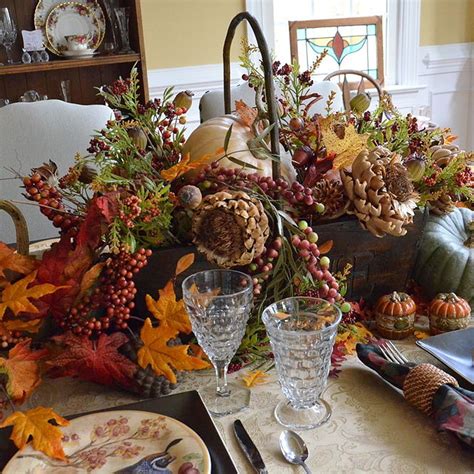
32,325
17,296
168,311
35,423
450,139
22,370
184,263
256,377
11,260
184,166
89,278
163,358
326,247
247,114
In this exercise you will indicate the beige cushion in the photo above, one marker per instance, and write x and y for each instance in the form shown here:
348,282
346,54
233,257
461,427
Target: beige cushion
33,133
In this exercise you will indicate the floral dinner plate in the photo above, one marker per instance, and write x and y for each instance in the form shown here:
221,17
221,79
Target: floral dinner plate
71,18
44,7
125,442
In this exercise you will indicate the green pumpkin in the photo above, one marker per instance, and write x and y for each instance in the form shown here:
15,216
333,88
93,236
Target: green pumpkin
446,259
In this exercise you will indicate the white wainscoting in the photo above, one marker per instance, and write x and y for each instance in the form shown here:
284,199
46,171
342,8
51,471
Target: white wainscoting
447,73
444,88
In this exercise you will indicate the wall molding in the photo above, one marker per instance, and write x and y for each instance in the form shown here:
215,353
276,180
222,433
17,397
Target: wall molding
445,58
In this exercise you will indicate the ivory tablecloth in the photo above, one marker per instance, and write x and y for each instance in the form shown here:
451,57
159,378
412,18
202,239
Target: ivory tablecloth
372,428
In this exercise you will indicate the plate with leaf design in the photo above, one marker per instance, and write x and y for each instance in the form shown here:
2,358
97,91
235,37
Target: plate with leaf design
121,442
44,7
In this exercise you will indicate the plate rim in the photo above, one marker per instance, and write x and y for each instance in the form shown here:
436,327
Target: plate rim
422,344
207,457
74,3
42,26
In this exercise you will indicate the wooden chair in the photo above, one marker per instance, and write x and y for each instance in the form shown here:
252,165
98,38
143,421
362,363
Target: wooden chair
347,86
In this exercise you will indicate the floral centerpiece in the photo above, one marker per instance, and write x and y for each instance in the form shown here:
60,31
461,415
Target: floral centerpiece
143,186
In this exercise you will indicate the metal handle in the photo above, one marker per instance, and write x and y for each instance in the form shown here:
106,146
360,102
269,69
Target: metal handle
22,240
268,75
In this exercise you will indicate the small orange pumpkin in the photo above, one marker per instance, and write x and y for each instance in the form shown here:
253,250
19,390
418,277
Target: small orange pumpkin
448,312
395,315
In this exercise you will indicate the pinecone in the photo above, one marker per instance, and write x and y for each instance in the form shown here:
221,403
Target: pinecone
443,154
230,228
443,205
382,195
331,194
148,384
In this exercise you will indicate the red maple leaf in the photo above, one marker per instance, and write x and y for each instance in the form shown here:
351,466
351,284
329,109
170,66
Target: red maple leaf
95,361
100,213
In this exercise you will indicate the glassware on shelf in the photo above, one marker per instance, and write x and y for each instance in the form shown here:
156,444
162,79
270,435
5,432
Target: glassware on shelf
302,331
8,33
219,303
123,20
66,90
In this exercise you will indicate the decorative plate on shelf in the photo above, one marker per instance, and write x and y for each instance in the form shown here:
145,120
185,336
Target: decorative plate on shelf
128,442
71,18
86,53
44,7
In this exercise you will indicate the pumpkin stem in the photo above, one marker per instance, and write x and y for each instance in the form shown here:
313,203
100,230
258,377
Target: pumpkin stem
470,240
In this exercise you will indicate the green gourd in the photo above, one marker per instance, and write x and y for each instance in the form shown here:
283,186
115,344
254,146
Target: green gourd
446,259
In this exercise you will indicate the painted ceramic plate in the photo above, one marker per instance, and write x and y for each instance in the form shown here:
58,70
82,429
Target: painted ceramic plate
126,442
44,7
455,349
71,18
87,53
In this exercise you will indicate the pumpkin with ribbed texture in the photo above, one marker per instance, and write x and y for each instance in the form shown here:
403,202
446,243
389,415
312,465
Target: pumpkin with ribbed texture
210,136
446,259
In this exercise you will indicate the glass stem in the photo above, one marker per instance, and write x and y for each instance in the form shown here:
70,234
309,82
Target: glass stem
221,376
8,50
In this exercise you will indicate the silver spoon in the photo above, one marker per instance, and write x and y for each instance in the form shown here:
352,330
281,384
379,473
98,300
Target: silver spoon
294,449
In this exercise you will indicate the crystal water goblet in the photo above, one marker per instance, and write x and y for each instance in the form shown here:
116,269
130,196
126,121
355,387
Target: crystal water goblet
302,332
123,21
8,33
219,303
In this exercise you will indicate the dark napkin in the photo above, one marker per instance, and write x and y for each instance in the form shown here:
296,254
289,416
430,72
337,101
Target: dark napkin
453,407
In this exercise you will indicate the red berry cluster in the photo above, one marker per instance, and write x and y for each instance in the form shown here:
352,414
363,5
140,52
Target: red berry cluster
113,298
318,267
10,340
301,197
50,202
262,265
130,211
120,87
465,177
97,145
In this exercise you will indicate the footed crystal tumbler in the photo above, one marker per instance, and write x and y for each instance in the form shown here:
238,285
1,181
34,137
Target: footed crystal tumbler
218,303
302,333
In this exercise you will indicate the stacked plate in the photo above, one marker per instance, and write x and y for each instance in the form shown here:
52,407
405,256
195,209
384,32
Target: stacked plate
57,20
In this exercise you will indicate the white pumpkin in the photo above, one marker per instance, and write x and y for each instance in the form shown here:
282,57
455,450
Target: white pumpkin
210,136
446,259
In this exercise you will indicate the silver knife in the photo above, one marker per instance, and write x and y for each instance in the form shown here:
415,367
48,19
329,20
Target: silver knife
249,448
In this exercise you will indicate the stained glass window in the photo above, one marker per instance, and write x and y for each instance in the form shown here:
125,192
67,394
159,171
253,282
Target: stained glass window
352,43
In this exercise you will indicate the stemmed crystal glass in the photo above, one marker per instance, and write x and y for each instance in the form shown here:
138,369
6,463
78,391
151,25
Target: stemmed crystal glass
302,332
123,20
219,303
8,33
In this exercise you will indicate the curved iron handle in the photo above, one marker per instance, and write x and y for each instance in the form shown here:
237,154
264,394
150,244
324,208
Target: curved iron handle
268,75
22,240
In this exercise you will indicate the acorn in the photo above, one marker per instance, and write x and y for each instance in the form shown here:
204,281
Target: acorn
183,100
190,196
138,137
302,156
360,103
416,168
296,123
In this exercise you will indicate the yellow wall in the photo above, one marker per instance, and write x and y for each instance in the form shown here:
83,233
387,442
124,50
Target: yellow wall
188,32
446,21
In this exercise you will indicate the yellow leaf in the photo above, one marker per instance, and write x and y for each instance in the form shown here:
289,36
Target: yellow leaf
89,278
205,298
17,296
170,312
351,335
257,377
32,326
345,149
11,260
326,247
421,334
22,371
163,358
184,263
36,423
184,166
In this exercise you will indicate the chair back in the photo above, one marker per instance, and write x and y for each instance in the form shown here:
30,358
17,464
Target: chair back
36,132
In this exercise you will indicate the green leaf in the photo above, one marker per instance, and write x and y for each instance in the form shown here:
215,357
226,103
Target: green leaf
227,138
287,217
241,163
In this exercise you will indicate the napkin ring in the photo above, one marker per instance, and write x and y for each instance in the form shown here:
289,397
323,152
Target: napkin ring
421,384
